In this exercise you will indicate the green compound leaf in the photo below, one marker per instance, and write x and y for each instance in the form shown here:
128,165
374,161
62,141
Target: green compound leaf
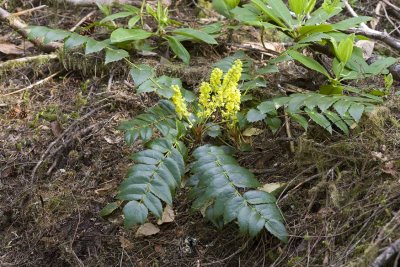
319,119
113,55
117,16
342,106
109,208
154,178
197,35
55,35
122,35
215,181
37,32
255,115
142,73
308,62
338,121
75,40
161,117
356,110
93,46
325,110
135,213
178,49
300,120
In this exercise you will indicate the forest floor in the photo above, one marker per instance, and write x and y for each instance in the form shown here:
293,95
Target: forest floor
341,205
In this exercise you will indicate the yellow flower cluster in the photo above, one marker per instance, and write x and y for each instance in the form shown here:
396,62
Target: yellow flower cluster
224,96
179,102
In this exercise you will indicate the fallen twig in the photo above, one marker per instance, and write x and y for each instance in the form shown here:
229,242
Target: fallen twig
104,2
52,144
21,27
82,21
289,132
23,12
33,85
367,31
387,254
390,20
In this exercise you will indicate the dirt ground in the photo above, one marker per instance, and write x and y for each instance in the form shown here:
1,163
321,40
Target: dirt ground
62,159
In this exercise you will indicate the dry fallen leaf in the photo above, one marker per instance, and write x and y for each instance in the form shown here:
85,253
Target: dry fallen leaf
147,229
367,47
167,216
10,49
252,131
56,128
125,243
272,187
160,250
112,140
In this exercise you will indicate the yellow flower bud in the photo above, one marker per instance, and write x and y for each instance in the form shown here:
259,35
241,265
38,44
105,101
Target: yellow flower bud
179,102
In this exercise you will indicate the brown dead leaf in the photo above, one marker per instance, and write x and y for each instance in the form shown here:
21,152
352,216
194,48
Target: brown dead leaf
272,187
167,216
112,140
367,47
56,128
252,132
390,168
125,243
147,229
11,49
160,250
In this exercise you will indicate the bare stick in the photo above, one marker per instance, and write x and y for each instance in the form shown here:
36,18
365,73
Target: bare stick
23,12
367,31
391,5
20,26
33,85
390,20
105,2
385,256
52,144
82,21
289,132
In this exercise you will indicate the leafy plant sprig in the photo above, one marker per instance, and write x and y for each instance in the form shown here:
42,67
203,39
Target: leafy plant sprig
307,27
218,185
134,36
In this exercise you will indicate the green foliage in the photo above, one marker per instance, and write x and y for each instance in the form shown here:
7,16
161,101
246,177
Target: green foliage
123,39
154,178
327,111
311,27
216,183
161,117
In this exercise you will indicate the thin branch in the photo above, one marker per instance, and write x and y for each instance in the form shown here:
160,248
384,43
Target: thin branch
23,12
32,85
367,31
20,26
385,256
82,21
390,20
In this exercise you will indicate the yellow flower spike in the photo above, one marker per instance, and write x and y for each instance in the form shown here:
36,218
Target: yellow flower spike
231,93
179,102
205,92
223,96
215,79
232,77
